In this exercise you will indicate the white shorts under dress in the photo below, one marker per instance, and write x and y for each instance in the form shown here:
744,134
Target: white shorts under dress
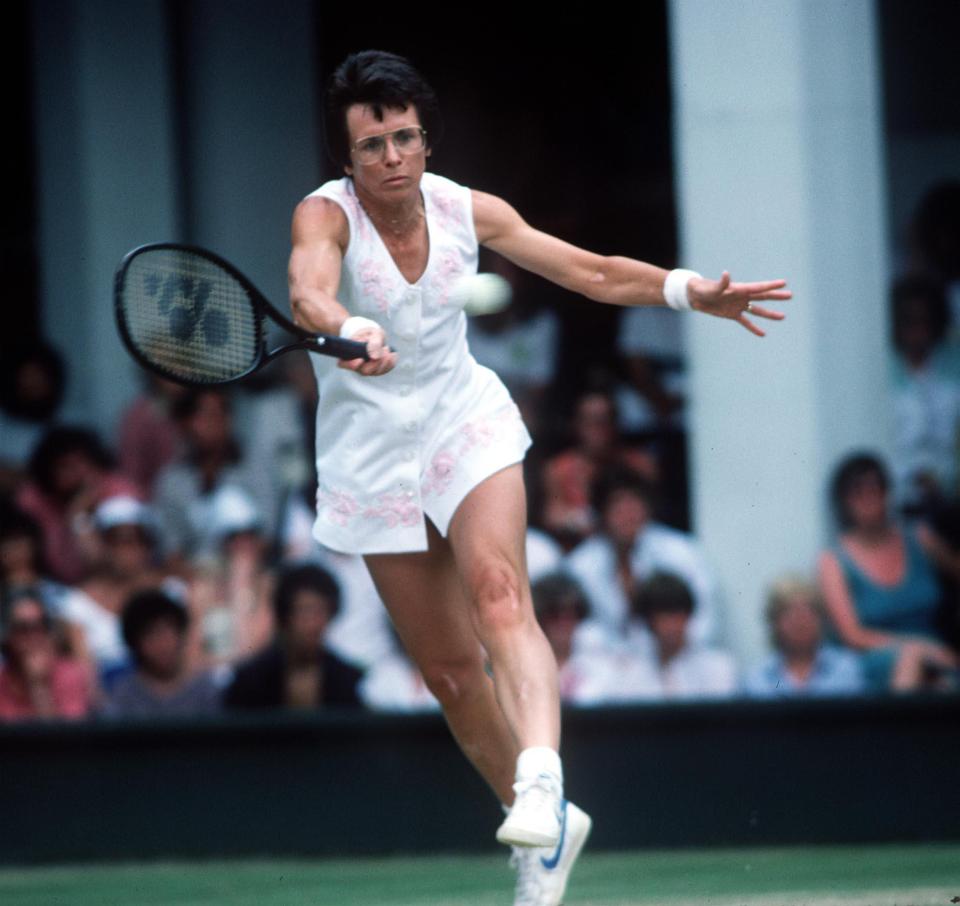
395,449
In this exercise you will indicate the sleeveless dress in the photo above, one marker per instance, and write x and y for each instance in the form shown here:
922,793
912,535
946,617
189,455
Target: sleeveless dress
396,449
907,608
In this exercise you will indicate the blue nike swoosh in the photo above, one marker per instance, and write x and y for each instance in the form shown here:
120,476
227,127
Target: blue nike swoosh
554,860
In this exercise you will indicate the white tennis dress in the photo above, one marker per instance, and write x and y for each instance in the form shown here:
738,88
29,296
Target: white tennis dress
410,444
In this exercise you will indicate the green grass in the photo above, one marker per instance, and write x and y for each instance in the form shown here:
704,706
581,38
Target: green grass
921,875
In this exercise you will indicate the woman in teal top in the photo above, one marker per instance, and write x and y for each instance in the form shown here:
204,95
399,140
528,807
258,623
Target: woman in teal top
880,583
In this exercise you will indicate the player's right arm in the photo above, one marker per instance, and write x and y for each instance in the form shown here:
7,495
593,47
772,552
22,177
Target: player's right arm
319,236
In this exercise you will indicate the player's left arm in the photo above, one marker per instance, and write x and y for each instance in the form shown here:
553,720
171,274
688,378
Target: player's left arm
613,279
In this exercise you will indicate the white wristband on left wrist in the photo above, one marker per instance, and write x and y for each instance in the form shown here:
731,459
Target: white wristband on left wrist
675,289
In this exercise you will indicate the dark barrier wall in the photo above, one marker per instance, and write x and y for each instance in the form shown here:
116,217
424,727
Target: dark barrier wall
331,785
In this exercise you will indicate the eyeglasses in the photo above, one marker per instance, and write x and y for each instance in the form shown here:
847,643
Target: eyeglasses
407,140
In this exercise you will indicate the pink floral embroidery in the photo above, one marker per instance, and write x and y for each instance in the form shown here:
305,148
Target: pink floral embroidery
449,268
480,432
394,509
376,284
341,507
440,473
448,208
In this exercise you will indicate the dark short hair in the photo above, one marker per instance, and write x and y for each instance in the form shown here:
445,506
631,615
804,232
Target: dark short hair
146,608
378,79
850,470
59,442
558,591
620,478
304,578
662,593
14,523
12,361
927,290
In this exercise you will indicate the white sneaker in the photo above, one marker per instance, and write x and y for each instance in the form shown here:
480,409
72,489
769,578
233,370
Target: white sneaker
536,817
542,873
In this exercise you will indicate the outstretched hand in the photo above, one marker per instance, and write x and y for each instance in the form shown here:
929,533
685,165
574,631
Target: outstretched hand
735,301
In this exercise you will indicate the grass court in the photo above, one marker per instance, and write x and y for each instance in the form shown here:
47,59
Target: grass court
887,875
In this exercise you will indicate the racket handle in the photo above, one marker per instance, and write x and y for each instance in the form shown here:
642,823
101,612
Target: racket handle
341,348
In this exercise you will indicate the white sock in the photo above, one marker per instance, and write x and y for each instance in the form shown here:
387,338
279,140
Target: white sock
539,760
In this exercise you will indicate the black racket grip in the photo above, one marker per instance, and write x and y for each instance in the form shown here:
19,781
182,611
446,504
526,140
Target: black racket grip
341,348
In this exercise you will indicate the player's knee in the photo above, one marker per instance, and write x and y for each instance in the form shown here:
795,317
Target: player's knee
497,597
454,681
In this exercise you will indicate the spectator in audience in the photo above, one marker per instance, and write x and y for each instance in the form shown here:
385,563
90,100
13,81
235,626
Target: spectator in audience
230,593
21,562
185,489
32,382
297,671
149,438
277,424
802,665
926,401
123,561
568,477
586,676
674,666
156,629
36,680
361,633
629,547
71,473
879,581
652,346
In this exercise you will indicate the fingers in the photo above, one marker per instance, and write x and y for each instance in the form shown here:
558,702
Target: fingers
381,358
763,286
386,361
779,295
766,313
749,325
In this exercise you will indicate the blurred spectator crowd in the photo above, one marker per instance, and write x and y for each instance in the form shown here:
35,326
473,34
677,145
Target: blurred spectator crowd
171,570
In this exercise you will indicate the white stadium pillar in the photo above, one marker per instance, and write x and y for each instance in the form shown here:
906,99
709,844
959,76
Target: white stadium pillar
779,168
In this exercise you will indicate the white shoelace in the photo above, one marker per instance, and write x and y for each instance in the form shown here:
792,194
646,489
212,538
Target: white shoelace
537,791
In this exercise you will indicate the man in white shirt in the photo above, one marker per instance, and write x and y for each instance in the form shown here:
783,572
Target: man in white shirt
630,547
674,667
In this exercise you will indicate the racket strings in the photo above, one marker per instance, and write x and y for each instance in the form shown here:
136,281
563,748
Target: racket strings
189,317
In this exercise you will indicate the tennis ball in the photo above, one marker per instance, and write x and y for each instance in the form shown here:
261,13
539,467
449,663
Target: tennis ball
481,294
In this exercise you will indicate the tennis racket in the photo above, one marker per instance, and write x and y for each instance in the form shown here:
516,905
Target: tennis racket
190,316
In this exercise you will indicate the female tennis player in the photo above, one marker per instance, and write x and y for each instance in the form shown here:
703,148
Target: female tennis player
419,449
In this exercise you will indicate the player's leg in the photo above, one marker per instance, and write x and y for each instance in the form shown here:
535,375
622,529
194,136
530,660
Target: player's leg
424,596
487,534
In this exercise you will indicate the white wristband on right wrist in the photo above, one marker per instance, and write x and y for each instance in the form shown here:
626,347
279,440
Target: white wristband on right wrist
354,325
675,289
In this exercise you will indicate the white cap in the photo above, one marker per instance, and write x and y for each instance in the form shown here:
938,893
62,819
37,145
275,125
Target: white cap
233,510
123,510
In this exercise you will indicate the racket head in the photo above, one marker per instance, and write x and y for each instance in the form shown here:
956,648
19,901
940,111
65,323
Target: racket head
189,316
